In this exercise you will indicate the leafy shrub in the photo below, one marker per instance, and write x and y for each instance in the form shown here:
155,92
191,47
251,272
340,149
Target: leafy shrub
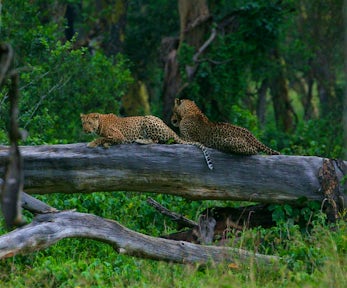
57,81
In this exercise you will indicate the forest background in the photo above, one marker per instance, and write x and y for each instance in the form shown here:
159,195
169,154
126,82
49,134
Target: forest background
274,67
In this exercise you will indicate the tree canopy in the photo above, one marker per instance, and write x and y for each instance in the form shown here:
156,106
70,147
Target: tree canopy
271,66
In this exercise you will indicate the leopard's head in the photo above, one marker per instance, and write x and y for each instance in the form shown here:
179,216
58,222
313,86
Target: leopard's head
90,122
175,118
183,108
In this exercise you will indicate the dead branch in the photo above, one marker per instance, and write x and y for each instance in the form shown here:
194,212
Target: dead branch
36,206
229,222
47,229
190,70
32,204
179,219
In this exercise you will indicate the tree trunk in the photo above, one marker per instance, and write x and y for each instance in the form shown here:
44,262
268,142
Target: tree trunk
172,83
104,29
280,97
308,106
261,103
171,169
345,94
193,15
320,26
111,25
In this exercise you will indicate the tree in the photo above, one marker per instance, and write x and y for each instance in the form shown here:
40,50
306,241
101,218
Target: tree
320,26
55,72
193,26
345,96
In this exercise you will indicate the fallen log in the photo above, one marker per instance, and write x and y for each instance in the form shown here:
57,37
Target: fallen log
171,169
47,229
32,204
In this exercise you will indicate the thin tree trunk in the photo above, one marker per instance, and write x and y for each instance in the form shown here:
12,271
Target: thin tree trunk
261,104
172,84
308,108
112,14
345,95
280,96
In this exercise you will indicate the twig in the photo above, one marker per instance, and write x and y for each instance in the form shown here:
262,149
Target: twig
215,62
181,220
42,98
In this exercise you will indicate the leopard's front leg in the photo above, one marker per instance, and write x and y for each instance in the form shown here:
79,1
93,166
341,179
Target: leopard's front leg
113,136
98,142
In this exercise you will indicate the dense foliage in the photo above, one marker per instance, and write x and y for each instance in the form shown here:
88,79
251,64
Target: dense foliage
60,78
58,82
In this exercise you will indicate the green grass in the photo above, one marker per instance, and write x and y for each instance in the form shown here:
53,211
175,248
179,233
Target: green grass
314,257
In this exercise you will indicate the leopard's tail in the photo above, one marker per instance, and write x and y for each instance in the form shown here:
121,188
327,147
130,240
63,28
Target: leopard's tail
205,152
201,147
268,150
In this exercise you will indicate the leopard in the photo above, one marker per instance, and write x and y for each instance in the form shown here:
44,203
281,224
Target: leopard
194,125
148,129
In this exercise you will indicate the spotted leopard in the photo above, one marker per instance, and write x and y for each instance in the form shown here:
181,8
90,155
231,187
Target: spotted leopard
140,129
195,126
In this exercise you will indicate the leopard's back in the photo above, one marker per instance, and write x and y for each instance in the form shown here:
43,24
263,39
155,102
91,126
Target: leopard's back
117,130
226,137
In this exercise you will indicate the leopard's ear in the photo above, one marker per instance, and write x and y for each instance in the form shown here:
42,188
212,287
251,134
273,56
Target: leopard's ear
95,116
178,102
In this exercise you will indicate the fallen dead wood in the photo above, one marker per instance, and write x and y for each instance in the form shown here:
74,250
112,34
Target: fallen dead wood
32,204
227,222
47,229
171,169
179,219
216,223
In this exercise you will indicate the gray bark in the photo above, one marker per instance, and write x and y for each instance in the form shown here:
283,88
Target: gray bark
171,169
47,229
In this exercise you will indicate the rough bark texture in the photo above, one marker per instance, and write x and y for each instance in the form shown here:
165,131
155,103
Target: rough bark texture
47,229
171,169
194,16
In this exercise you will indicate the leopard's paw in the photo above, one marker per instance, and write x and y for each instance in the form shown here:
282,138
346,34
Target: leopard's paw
107,145
144,141
92,144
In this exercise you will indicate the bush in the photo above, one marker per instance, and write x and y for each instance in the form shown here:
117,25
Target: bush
57,81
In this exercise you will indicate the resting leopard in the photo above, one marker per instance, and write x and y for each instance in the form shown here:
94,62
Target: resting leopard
195,126
140,129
